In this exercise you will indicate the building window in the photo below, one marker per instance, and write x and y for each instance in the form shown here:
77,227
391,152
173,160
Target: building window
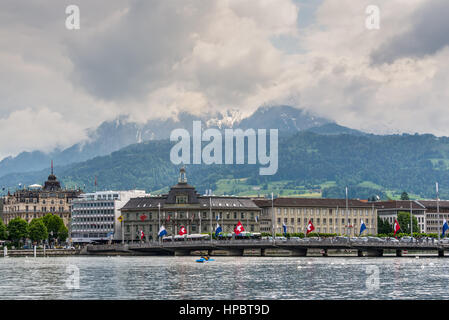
181,199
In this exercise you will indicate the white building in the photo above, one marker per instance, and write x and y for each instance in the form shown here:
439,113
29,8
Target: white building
94,216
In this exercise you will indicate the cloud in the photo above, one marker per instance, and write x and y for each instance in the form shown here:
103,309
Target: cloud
428,33
32,130
150,59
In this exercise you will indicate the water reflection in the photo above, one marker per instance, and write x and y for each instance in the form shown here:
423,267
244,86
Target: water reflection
224,278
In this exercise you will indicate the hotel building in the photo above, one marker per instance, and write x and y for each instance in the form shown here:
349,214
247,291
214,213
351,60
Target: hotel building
36,201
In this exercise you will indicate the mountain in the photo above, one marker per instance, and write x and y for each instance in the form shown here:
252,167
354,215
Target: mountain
309,164
334,129
284,118
113,135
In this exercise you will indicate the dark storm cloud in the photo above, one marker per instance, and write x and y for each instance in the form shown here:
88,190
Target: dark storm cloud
136,55
429,33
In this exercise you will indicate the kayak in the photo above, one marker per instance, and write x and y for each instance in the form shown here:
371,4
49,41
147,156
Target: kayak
204,260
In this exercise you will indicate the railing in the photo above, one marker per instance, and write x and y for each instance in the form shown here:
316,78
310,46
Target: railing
311,243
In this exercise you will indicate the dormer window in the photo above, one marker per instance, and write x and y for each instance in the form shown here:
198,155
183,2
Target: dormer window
182,199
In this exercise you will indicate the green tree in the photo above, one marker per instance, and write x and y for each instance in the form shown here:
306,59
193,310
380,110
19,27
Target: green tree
404,196
17,229
383,226
53,224
63,233
404,222
37,230
3,231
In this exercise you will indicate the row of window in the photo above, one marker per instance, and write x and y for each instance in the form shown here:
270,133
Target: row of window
35,209
77,205
190,215
324,220
90,212
320,211
89,219
92,227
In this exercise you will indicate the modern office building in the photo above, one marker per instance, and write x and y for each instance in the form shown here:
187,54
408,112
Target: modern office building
183,206
35,201
327,215
95,215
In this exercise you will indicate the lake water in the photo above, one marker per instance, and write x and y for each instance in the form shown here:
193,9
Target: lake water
225,278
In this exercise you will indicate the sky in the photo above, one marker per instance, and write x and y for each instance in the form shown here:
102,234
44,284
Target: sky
151,59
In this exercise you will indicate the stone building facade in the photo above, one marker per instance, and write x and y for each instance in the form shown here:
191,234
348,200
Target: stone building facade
183,206
36,201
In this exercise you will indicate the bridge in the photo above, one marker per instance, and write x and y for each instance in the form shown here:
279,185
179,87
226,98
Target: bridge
237,247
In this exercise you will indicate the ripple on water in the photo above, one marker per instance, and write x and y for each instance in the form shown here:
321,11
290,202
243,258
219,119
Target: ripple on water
224,278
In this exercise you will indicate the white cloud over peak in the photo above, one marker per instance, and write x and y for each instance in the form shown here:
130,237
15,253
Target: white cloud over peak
153,59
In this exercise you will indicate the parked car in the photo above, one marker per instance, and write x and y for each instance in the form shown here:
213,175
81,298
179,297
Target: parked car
294,238
281,238
390,239
375,239
363,239
407,239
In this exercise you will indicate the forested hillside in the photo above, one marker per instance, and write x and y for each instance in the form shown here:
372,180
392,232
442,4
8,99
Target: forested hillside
309,164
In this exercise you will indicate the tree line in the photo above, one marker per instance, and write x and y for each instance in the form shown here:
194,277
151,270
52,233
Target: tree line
50,227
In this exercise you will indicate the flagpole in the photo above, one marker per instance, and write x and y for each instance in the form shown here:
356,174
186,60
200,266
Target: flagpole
272,218
438,211
411,220
159,217
210,211
347,214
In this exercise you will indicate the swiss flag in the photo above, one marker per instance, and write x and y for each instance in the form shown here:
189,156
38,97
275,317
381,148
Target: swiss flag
141,234
310,227
182,231
396,226
239,228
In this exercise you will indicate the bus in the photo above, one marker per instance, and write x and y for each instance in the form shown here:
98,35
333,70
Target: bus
190,237
241,236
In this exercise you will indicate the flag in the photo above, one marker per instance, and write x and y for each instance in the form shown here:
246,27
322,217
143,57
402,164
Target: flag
445,227
182,231
162,231
285,228
396,226
168,217
257,218
310,227
218,230
217,218
362,227
141,234
239,228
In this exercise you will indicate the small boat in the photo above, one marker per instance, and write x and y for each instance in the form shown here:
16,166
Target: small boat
202,259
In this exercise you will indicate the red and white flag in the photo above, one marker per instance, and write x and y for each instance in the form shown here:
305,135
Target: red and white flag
141,234
310,227
239,228
182,231
396,226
